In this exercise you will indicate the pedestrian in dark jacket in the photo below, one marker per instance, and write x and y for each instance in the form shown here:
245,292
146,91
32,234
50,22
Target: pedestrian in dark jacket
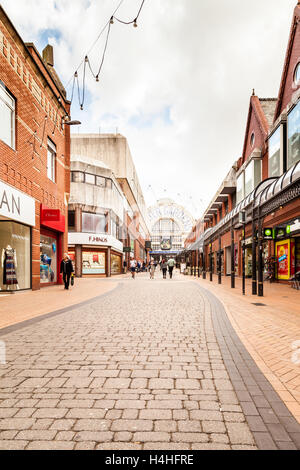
66,268
164,267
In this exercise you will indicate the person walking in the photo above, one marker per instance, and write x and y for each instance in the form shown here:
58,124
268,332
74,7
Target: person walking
125,267
171,264
164,268
152,268
133,265
66,268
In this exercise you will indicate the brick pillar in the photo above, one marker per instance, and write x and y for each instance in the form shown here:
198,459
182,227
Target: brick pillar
108,271
78,260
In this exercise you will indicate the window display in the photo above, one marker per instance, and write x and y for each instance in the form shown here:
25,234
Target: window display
93,262
48,258
15,266
116,264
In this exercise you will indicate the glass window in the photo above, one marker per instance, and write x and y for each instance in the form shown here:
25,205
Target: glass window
7,117
51,160
93,262
274,154
71,219
248,179
77,177
15,248
89,178
116,264
293,136
252,139
240,188
100,181
93,223
297,74
48,259
109,183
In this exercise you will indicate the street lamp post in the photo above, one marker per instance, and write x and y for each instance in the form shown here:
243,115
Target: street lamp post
260,256
210,263
232,257
242,217
204,263
219,263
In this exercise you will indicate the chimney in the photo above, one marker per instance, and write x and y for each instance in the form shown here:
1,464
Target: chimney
48,57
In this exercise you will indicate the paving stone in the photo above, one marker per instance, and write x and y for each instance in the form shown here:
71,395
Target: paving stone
151,437
264,441
234,417
132,425
213,427
161,384
105,436
50,413
210,446
16,423
38,434
206,415
48,445
165,426
239,433
156,414
13,445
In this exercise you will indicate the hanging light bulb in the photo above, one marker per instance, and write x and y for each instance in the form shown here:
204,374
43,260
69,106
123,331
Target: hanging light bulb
86,58
112,20
135,24
81,107
97,78
76,74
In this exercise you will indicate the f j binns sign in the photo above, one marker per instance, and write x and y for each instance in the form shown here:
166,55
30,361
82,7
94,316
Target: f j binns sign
16,205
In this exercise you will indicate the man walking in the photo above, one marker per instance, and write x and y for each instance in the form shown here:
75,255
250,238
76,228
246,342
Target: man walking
171,264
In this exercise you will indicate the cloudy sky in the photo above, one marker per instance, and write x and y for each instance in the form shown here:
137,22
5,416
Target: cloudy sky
177,87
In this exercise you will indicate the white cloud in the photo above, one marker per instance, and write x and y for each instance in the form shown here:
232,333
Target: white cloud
200,58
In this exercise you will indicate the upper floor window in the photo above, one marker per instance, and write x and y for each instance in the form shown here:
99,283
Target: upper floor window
51,161
240,188
252,139
93,223
297,74
293,122
90,178
71,220
7,117
274,154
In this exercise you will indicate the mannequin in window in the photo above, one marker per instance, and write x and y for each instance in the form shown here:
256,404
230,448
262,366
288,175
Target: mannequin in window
9,264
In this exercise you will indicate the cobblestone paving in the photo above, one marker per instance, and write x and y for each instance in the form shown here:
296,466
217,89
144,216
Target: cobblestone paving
151,365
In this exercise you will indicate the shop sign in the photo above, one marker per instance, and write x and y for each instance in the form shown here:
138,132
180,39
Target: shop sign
126,249
16,205
295,226
147,245
268,233
79,238
280,232
51,215
166,244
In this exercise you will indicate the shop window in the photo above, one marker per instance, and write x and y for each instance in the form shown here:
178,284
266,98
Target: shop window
51,161
274,154
71,220
293,136
15,248
48,259
93,262
116,264
90,179
93,223
7,117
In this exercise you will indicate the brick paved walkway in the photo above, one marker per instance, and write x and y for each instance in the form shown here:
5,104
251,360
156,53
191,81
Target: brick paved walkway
153,365
270,332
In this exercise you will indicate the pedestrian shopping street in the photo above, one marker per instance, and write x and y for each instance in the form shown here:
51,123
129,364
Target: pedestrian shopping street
149,364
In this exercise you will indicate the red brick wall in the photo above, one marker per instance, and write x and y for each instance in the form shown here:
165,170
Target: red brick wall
289,87
25,167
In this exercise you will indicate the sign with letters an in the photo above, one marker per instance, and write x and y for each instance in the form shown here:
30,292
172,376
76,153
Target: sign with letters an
16,205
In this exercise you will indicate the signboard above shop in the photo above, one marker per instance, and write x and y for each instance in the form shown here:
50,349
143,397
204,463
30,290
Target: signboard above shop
16,205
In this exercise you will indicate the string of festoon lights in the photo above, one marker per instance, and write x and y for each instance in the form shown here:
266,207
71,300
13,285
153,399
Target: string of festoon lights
86,61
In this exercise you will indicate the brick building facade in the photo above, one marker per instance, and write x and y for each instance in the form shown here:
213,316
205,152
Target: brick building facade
34,162
264,188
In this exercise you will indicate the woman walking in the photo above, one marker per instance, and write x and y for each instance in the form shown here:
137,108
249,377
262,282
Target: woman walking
164,267
152,268
66,268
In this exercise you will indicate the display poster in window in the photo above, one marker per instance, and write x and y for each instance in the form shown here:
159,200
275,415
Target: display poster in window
93,262
293,257
48,260
72,258
297,254
283,259
116,264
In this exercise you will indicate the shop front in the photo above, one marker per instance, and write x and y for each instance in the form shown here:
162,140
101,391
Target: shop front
95,255
51,245
17,216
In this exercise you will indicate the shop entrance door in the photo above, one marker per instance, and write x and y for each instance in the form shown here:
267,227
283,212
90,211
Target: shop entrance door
48,258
